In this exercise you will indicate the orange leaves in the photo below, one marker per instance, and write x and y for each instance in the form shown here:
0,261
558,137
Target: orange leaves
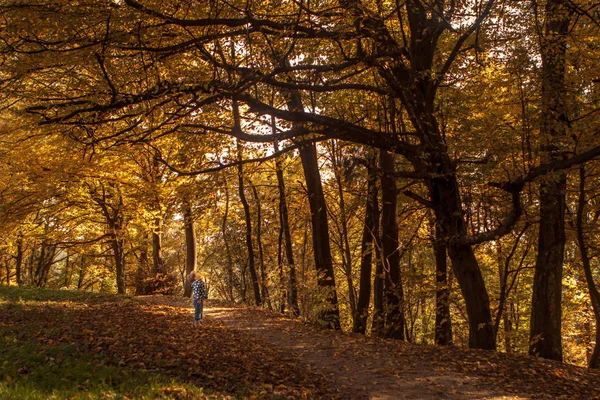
159,338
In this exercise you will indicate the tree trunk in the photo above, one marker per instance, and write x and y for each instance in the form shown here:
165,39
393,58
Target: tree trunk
19,260
190,247
248,219
546,315
443,323
67,281
320,225
118,248
594,361
394,295
7,268
229,266
39,271
378,323
344,242
29,263
282,291
157,260
444,193
366,251
292,291
261,258
143,267
82,270
320,236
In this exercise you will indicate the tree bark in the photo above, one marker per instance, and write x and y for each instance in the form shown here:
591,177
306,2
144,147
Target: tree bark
443,322
345,242
82,270
118,248
261,258
190,247
157,260
395,322
594,361
292,291
330,316
19,260
229,266
248,219
546,313
40,265
378,323
143,267
113,214
448,210
320,236
366,251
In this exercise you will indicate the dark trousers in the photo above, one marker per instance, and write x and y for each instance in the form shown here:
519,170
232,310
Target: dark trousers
198,306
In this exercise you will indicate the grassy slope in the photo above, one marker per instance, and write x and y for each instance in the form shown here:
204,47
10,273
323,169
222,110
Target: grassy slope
35,365
72,345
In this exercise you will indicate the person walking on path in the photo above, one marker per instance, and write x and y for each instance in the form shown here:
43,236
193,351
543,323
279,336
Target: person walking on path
199,293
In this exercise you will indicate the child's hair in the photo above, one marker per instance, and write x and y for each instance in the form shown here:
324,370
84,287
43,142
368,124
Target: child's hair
193,276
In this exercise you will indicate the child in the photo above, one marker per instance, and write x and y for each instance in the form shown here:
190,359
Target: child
199,293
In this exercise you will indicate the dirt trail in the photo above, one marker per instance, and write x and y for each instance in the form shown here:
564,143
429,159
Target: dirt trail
360,368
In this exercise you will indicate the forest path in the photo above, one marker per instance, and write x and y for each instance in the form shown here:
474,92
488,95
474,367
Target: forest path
357,367
360,368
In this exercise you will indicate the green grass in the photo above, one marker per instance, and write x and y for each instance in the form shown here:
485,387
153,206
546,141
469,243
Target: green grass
16,294
30,370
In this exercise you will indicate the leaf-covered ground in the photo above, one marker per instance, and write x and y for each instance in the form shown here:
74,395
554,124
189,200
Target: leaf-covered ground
68,345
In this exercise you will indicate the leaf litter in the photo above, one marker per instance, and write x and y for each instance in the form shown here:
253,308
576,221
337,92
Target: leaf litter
244,352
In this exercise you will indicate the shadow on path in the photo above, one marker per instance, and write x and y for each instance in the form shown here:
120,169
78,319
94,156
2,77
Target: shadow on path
359,367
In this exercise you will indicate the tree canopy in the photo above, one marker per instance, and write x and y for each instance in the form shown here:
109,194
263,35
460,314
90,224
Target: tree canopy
422,170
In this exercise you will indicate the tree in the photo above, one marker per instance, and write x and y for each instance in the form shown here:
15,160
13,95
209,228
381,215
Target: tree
249,240
104,85
594,361
367,248
284,223
545,334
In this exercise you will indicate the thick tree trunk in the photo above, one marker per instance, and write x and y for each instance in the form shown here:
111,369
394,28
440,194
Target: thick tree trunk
320,236
366,251
320,225
394,295
190,247
118,248
41,264
248,219
594,361
46,262
143,267
158,262
82,269
292,291
445,196
546,315
443,323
